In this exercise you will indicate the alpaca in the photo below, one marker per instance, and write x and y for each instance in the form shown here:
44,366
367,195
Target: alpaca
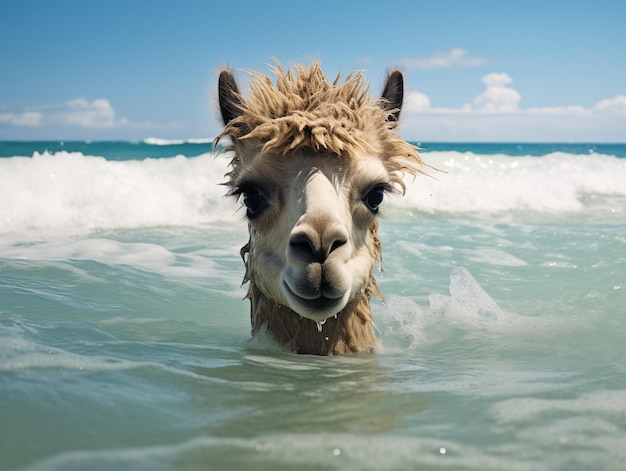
311,162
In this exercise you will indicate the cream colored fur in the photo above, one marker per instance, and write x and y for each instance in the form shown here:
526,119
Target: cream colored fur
308,157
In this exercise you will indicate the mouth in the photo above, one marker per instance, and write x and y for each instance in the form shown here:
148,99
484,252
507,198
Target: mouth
317,308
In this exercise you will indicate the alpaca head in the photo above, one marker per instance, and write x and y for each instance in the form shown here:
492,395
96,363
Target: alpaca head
312,161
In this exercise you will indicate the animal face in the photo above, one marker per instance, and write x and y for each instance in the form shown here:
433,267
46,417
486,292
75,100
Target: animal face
312,224
312,161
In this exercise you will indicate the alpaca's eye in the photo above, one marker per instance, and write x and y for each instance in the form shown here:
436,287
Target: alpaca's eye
374,198
254,201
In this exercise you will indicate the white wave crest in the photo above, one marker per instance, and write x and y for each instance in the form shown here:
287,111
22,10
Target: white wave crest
73,192
155,141
492,184
70,191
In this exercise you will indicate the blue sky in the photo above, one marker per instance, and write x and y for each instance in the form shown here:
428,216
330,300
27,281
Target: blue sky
475,70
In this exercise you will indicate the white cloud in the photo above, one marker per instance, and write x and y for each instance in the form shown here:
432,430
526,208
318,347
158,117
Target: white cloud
453,58
26,118
497,96
556,110
85,114
416,102
79,112
615,104
496,115
496,80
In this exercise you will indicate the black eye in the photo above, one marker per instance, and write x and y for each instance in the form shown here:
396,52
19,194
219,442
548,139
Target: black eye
254,202
374,198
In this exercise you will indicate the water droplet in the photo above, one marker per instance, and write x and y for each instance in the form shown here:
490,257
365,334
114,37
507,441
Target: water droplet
320,324
259,447
335,316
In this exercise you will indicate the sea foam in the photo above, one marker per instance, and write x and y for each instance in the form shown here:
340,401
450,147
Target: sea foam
75,192
72,191
496,184
155,141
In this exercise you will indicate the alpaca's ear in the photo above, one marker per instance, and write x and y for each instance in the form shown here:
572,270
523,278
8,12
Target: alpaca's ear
393,94
230,99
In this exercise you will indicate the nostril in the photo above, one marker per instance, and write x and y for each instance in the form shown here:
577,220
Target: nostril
311,246
339,242
300,239
301,244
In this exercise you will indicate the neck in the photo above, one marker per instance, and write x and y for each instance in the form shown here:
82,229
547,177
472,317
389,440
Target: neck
350,331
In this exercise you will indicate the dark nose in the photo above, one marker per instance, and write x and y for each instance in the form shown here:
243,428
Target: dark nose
310,244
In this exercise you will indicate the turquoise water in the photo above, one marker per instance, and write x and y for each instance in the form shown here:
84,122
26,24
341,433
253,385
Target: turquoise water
124,339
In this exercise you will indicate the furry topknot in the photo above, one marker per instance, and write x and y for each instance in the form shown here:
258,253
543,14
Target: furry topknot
304,110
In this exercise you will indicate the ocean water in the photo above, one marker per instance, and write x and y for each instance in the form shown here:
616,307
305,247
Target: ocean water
125,342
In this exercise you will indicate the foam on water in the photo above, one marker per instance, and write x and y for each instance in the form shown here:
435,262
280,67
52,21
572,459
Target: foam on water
495,184
148,257
73,192
468,310
70,191
155,141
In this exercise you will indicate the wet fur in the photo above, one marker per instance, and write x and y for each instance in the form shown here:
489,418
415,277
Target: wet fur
303,113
